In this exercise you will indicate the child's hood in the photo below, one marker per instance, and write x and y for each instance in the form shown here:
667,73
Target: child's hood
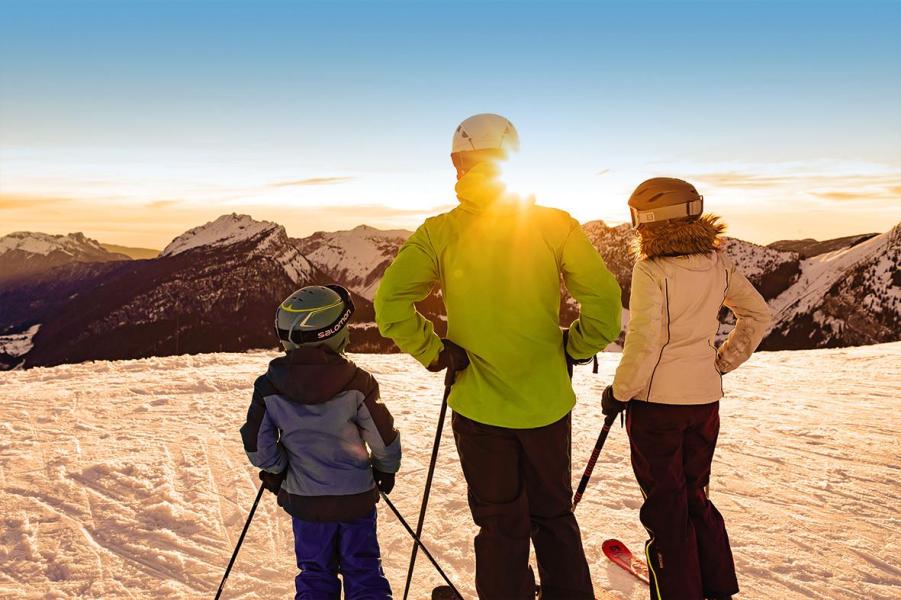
311,375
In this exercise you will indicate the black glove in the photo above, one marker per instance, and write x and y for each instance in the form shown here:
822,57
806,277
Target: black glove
610,406
273,481
384,481
570,361
452,357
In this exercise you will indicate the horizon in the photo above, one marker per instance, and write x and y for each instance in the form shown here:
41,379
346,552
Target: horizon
133,122
366,225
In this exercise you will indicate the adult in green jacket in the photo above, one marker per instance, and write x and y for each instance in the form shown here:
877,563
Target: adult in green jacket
498,261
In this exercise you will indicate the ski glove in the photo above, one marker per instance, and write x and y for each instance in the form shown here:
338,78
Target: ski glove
570,361
610,406
384,481
273,481
452,357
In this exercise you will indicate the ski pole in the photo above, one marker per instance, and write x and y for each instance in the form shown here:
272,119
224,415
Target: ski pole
228,569
448,384
608,423
420,544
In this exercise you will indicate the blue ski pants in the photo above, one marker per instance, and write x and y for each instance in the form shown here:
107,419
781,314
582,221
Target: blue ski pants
351,548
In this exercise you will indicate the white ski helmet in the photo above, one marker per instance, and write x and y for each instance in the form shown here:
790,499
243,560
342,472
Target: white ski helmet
485,131
315,315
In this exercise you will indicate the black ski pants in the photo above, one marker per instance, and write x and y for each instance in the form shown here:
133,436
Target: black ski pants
520,488
688,553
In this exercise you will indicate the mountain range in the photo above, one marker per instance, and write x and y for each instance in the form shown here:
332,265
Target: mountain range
24,253
67,299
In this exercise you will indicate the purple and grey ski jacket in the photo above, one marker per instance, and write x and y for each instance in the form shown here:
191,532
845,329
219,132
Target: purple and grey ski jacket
313,414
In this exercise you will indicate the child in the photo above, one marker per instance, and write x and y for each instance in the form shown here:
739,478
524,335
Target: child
306,426
672,373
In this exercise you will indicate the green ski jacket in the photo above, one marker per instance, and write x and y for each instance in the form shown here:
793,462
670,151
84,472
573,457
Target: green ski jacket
498,261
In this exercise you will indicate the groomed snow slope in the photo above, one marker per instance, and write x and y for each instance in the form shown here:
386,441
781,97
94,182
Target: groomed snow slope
128,479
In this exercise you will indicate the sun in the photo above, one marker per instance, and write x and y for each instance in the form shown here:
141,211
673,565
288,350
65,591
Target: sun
519,180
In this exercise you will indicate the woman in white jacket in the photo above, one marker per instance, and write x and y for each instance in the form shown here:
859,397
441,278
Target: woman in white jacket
670,377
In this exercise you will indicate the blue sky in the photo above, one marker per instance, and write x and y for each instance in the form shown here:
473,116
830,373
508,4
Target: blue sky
189,109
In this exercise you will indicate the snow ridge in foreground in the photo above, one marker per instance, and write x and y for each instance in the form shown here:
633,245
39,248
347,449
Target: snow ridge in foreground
128,479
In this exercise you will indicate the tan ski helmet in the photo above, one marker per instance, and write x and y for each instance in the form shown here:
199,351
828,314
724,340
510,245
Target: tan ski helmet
664,199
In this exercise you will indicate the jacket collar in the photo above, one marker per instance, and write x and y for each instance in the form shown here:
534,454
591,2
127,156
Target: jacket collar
481,189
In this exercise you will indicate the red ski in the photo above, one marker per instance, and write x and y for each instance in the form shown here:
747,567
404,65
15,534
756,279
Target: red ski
617,552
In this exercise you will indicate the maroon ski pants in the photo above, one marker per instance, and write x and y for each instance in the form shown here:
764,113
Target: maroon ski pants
688,553
520,488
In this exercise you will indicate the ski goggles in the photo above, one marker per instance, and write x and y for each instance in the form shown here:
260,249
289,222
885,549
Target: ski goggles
306,336
691,209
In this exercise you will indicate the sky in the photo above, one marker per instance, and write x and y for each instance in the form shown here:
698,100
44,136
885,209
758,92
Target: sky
133,121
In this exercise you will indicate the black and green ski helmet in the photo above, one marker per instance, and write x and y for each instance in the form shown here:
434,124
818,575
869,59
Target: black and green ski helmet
314,315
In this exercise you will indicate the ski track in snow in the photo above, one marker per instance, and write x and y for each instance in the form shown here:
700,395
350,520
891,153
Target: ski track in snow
128,479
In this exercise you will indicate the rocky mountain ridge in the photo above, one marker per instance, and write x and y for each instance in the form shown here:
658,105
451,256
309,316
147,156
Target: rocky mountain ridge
214,287
23,253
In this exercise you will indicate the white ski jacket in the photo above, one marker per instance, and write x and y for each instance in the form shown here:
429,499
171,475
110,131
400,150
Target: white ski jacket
669,355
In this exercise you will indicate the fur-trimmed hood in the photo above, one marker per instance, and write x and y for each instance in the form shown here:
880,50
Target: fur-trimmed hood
680,238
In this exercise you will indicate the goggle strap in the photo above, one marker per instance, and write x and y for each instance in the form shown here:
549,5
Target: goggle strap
667,213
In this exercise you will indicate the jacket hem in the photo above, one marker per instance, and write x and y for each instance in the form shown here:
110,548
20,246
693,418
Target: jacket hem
681,401
328,508
496,421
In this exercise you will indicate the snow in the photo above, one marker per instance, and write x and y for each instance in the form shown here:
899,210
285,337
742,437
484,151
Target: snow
821,272
356,257
297,267
224,231
128,479
33,242
755,261
18,344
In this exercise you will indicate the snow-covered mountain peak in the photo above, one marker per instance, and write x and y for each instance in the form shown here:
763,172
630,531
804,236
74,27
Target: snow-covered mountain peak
34,242
754,259
25,253
372,232
355,257
893,236
224,231
848,296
